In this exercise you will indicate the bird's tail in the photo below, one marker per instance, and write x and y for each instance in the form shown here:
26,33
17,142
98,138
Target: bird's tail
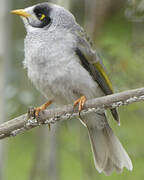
108,152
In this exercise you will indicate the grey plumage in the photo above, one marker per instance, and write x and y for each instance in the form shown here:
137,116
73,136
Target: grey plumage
63,66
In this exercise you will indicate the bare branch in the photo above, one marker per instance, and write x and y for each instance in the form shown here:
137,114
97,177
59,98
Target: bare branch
26,122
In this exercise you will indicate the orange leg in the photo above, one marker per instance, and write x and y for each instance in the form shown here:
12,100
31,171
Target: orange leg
42,107
80,102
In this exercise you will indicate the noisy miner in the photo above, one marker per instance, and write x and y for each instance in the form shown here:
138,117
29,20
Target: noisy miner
63,66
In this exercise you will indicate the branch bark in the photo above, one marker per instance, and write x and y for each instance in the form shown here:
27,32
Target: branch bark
26,121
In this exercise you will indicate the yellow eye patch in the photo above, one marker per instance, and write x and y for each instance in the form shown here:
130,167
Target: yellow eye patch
42,17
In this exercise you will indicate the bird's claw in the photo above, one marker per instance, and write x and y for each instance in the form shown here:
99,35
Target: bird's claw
34,112
41,108
80,102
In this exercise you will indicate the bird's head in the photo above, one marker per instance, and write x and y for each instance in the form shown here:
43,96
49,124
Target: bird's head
45,16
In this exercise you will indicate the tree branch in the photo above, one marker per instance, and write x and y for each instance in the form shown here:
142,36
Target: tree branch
26,121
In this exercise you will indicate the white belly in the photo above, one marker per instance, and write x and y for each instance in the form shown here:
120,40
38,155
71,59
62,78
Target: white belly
55,70
65,83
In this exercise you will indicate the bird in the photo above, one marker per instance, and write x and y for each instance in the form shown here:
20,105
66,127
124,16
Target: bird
63,65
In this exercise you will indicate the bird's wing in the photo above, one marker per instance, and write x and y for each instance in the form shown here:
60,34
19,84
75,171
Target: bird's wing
93,64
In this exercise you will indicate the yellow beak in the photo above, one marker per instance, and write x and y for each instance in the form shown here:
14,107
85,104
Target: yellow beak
21,12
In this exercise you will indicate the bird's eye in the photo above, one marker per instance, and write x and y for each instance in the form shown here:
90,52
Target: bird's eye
41,16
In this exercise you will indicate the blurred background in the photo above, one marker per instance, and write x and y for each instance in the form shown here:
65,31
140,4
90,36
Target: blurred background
64,153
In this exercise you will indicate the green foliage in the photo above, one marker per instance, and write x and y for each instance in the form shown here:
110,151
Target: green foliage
21,151
123,58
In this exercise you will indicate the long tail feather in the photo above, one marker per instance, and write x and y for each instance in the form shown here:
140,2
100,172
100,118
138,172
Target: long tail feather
108,152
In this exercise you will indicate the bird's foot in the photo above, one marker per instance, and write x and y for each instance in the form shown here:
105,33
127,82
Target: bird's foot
80,102
42,108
